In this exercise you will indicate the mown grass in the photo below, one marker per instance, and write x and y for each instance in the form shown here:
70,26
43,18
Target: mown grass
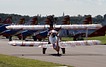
101,38
11,61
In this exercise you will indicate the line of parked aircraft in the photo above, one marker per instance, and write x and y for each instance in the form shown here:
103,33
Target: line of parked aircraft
51,31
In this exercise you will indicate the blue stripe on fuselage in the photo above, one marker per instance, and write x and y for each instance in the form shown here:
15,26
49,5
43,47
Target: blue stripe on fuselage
3,27
43,33
10,32
28,32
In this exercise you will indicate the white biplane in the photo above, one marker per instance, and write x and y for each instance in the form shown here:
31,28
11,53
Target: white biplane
54,40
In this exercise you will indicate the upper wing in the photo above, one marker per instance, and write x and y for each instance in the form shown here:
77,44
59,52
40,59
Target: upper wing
80,26
40,27
79,43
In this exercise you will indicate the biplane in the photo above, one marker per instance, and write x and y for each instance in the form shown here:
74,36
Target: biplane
54,40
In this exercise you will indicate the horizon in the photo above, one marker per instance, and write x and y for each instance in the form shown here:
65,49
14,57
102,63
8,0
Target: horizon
53,7
51,14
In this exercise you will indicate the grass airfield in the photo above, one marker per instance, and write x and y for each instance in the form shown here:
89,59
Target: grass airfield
101,38
82,56
12,61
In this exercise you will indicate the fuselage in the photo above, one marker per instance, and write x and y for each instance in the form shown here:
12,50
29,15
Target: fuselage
54,39
3,27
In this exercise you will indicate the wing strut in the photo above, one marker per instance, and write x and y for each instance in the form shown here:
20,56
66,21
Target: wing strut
86,34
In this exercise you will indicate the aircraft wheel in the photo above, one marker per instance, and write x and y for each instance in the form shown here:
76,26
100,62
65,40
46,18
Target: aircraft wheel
44,50
24,38
19,38
7,37
63,50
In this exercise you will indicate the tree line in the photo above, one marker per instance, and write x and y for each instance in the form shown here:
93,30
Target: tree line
73,19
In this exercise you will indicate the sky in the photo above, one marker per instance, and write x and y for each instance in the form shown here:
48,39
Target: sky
56,7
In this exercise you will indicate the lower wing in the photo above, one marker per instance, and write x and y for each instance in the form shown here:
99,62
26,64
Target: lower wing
79,43
30,44
61,44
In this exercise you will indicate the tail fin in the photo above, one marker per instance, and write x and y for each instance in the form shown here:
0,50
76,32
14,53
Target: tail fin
21,21
99,32
8,20
34,21
66,20
49,20
88,20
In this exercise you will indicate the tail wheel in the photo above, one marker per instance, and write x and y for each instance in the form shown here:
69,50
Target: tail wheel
63,50
19,36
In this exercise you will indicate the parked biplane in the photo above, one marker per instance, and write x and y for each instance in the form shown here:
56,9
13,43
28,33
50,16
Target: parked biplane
18,33
5,23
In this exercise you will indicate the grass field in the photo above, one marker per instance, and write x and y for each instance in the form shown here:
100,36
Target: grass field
11,61
101,38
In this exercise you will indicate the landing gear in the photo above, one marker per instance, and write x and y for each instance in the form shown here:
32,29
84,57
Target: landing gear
24,38
44,50
10,38
40,39
34,38
19,38
63,50
78,37
58,53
